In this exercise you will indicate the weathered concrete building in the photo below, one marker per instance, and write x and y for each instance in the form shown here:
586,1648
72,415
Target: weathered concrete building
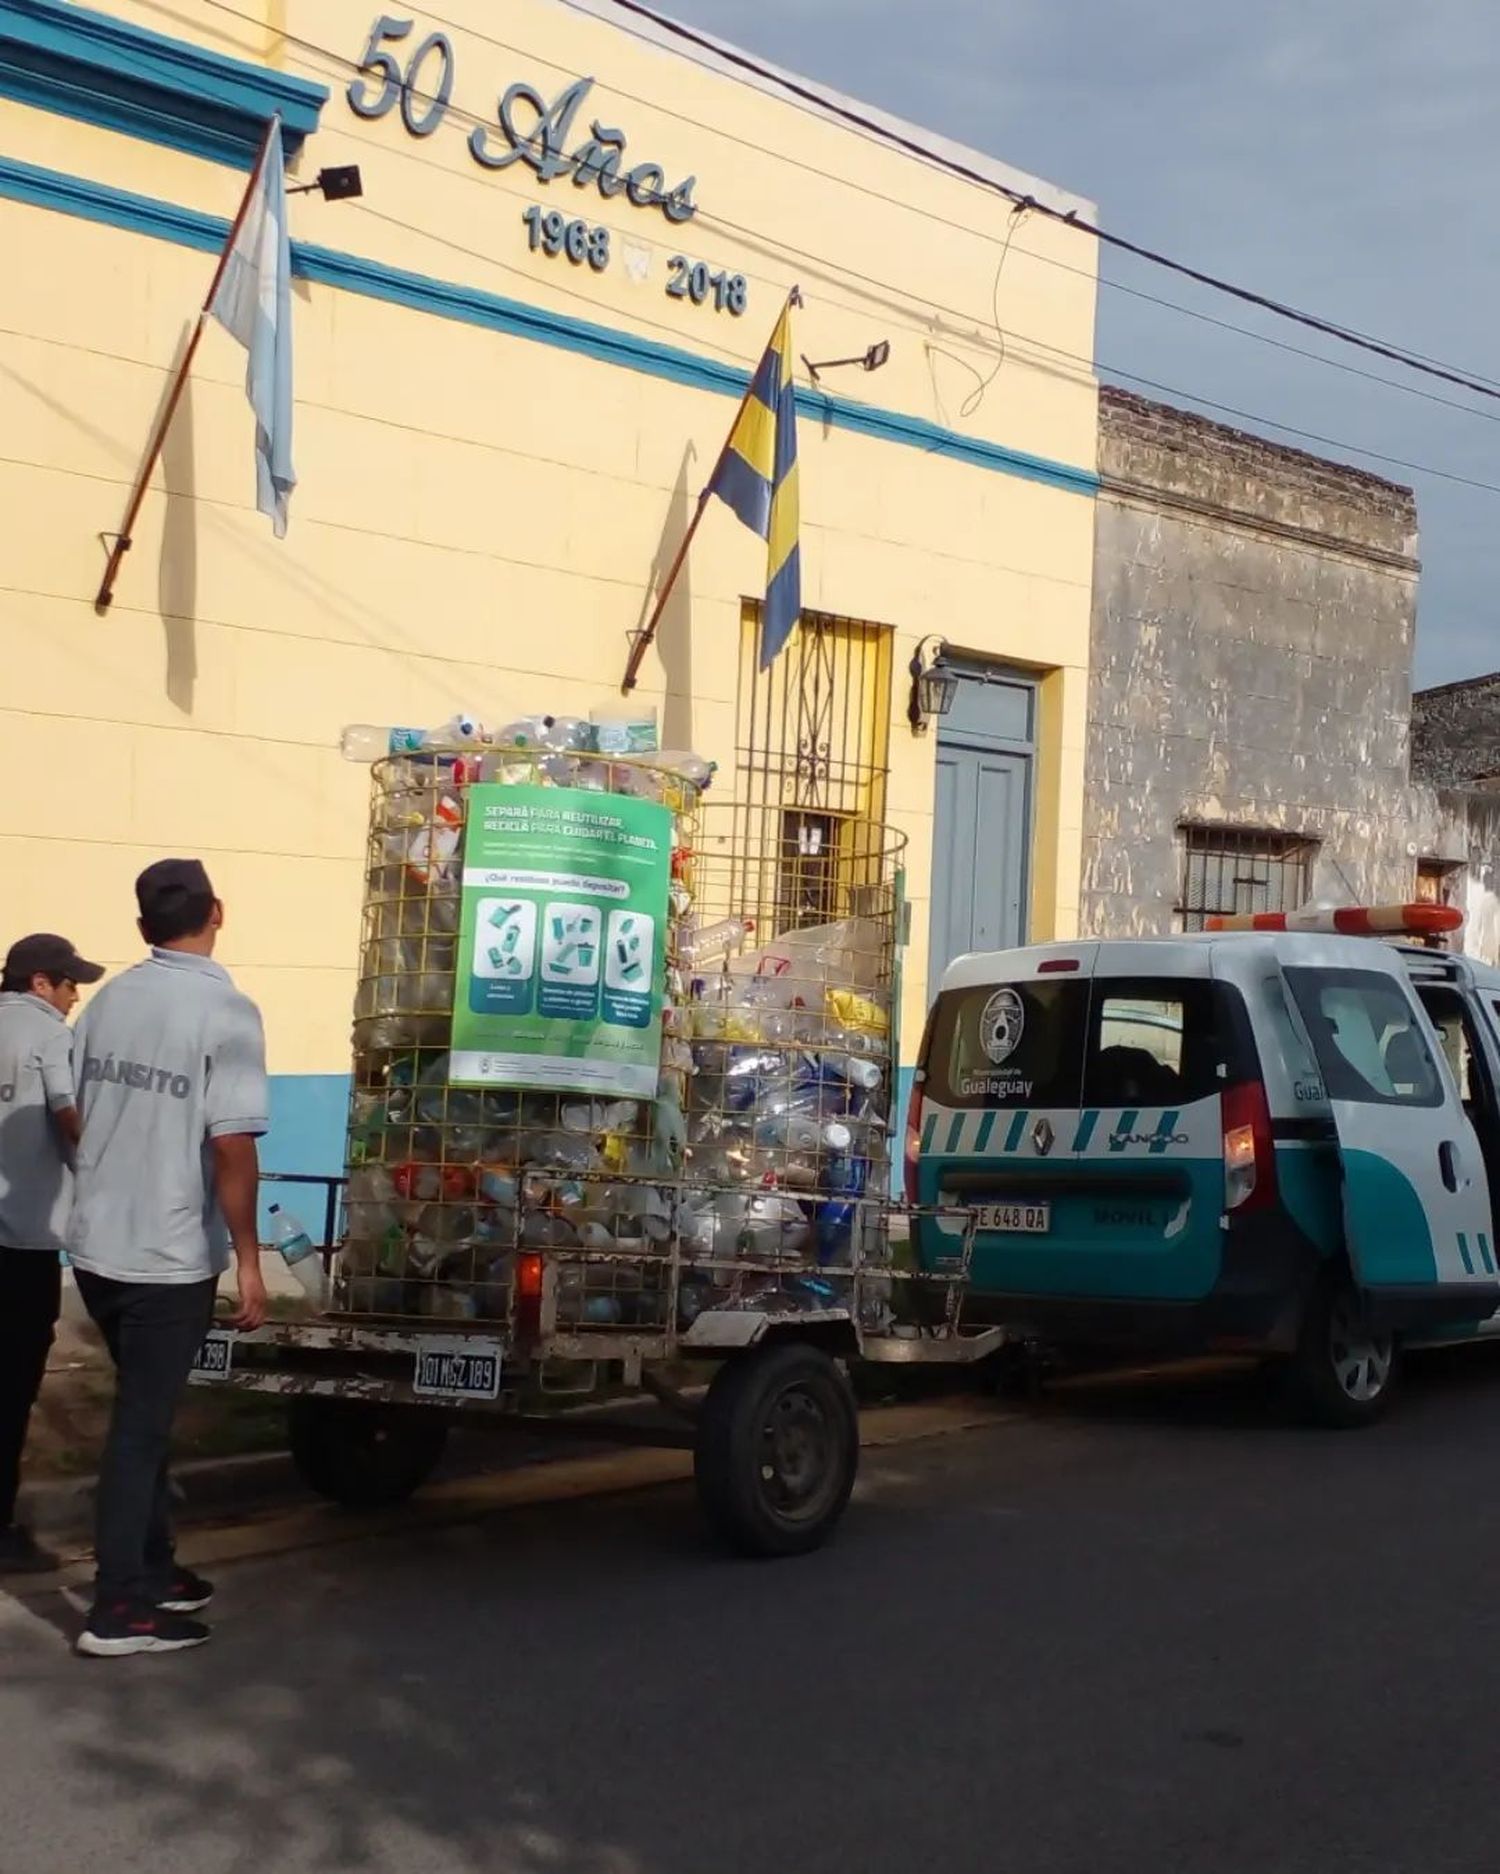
1455,763
1455,734
1250,694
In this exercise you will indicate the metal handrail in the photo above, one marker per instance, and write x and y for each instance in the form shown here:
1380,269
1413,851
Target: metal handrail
333,1187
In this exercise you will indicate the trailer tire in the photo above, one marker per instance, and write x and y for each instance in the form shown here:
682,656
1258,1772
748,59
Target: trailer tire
365,1457
777,1450
1343,1373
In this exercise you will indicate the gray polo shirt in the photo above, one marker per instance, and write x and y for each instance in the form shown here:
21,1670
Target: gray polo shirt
36,1080
166,1057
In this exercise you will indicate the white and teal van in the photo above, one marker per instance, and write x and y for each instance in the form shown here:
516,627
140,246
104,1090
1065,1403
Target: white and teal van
1280,1141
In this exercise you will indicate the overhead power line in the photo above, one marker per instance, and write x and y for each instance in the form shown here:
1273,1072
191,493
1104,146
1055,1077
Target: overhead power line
809,99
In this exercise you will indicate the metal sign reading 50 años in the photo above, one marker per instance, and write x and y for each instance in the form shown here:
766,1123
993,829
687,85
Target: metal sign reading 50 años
530,129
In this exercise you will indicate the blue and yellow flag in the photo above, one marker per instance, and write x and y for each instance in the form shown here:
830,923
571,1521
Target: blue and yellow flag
757,477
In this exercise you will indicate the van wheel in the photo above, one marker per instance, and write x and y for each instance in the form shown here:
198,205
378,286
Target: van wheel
1344,1371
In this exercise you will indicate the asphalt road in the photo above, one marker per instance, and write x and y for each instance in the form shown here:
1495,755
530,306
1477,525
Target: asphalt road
1143,1629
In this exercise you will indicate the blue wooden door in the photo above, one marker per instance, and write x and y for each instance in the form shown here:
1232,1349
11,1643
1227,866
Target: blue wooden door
982,832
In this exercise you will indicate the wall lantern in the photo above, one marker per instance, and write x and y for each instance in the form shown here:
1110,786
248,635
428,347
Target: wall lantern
934,686
871,360
342,184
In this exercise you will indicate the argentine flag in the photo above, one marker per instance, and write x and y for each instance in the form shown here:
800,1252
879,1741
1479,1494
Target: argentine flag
254,304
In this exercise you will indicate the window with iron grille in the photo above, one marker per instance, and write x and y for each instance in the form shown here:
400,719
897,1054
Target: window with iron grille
1230,870
812,756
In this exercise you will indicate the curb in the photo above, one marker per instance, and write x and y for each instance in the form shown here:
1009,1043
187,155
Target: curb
241,1508
202,1487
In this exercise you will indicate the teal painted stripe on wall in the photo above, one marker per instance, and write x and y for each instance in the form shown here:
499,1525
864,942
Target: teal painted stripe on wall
444,299
74,62
308,1114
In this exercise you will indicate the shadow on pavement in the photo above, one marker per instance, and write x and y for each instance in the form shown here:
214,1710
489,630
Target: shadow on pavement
408,1705
1246,1395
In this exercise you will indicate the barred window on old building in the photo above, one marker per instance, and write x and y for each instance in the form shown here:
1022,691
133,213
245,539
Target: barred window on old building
812,754
1231,870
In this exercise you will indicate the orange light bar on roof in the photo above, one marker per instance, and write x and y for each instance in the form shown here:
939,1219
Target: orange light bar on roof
1351,920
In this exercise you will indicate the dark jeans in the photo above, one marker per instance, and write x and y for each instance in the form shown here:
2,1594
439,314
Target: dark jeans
30,1299
152,1330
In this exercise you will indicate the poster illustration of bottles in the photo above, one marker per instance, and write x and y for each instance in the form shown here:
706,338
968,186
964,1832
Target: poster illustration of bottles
561,957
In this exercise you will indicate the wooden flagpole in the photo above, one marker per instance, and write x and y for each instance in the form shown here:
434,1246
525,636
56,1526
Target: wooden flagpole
122,540
642,640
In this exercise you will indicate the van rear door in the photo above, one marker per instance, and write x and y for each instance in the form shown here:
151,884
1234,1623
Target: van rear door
1091,1149
1415,1195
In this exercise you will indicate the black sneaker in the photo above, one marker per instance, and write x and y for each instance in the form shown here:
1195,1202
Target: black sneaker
188,1593
120,1627
20,1553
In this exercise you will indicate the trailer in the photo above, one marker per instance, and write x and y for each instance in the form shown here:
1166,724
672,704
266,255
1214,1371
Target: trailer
620,1134
765,1397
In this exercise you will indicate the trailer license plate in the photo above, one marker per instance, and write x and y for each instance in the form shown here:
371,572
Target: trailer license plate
215,1357
1018,1219
448,1369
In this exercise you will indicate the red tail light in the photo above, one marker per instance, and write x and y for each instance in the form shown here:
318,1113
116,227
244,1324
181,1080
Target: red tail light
913,1137
528,1312
1249,1154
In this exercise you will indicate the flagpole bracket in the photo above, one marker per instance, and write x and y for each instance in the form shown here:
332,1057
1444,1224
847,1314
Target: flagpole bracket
119,545
638,640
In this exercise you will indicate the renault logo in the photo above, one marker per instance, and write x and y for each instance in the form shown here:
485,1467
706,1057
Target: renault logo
1042,1136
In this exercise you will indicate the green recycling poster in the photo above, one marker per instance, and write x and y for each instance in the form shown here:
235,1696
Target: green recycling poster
562,954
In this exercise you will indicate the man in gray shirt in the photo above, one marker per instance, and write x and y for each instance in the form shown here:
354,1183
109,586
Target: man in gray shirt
170,1066
38,1130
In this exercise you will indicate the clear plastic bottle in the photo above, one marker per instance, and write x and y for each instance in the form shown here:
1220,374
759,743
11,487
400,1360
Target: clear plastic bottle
368,741
694,769
299,1253
698,943
371,741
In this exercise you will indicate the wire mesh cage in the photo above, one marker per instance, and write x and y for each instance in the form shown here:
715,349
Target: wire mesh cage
754,1172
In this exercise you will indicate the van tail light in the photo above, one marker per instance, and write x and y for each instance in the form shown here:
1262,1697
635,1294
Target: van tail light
913,1138
1249,1154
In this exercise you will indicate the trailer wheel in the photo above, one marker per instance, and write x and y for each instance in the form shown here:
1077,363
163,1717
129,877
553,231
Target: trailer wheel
366,1457
1343,1372
777,1450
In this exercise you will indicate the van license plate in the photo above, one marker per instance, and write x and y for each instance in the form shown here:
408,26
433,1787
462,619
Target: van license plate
1018,1219
457,1369
215,1357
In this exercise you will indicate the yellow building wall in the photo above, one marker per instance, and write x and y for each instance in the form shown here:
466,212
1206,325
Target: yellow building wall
478,515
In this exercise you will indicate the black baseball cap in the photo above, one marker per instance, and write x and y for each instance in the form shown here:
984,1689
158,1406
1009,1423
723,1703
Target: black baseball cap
175,891
45,954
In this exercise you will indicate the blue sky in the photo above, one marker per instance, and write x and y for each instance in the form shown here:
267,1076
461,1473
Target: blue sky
1338,154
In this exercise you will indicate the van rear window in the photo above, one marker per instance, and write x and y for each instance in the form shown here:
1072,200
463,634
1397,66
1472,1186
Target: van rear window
1158,1043
1009,1044
1115,1042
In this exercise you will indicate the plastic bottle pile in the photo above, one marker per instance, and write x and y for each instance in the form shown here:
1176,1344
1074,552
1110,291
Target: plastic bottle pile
788,1118
765,1148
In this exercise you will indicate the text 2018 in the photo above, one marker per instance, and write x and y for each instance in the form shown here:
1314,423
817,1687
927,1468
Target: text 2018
692,280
